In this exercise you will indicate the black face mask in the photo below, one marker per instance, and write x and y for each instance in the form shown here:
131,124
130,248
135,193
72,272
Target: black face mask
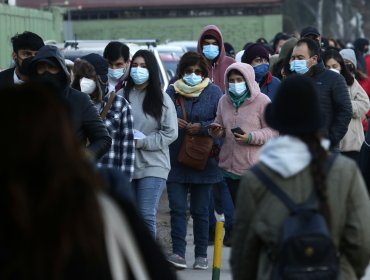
59,80
24,67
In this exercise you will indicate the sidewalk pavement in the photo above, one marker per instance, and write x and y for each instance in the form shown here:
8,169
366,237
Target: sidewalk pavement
192,274
163,236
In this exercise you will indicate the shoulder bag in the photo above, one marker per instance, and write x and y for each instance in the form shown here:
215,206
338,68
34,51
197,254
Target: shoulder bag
195,149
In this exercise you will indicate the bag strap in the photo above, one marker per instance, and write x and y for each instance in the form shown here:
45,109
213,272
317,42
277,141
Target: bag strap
276,190
108,105
181,100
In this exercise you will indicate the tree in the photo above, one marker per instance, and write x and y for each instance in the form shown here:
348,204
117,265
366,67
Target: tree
343,19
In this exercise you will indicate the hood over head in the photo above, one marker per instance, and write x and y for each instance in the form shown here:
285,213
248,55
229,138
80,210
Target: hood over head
51,53
214,31
248,73
53,56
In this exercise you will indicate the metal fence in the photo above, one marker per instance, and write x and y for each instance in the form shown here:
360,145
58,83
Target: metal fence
13,20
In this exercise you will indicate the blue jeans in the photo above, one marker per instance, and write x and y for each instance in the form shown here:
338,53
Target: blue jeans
221,202
148,191
199,200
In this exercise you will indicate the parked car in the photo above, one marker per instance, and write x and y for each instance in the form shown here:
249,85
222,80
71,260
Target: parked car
187,45
171,50
170,64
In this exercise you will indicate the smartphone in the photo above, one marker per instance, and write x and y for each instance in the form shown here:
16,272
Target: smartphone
237,130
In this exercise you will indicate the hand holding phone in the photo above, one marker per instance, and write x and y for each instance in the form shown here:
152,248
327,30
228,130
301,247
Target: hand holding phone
237,130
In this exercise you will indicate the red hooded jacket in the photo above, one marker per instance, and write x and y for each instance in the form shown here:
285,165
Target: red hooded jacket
216,68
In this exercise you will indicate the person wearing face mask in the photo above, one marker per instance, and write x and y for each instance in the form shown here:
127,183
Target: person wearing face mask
361,46
25,47
199,97
242,106
114,109
117,55
334,97
155,127
211,46
86,80
351,62
350,144
257,56
49,66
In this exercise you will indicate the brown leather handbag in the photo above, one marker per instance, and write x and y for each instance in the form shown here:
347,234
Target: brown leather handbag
195,149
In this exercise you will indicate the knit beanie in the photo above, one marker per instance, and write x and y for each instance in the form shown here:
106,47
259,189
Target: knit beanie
350,55
100,65
287,47
253,51
296,107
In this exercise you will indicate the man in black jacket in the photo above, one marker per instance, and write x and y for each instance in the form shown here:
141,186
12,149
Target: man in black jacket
25,47
49,66
334,97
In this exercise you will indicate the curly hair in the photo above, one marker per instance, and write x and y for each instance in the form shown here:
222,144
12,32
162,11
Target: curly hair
84,69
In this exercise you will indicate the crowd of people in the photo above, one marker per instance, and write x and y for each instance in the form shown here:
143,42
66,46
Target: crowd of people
94,145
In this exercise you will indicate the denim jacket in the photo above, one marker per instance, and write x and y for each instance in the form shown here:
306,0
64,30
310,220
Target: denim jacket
200,109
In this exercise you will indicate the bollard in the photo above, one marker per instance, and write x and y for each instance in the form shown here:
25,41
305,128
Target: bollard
217,251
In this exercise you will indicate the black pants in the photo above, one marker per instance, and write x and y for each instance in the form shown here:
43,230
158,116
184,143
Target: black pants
233,188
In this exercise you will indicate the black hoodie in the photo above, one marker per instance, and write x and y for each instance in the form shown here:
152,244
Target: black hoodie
85,119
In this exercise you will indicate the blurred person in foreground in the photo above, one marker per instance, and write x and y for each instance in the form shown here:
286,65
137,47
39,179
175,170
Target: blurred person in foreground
56,221
25,47
49,66
295,162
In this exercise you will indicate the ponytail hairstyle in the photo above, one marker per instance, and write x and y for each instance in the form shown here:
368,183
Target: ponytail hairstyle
319,157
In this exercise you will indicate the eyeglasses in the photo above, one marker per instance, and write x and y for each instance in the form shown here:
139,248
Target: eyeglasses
189,71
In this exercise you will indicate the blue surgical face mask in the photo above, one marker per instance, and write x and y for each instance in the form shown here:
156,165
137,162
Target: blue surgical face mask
192,79
237,89
211,51
260,71
139,75
115,74
299,66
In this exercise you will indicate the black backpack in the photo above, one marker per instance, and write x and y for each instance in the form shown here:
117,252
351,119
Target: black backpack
306,250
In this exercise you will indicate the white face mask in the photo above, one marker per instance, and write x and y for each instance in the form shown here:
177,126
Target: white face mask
335,70
87,85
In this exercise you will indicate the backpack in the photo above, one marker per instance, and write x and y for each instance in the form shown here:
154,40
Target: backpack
306,250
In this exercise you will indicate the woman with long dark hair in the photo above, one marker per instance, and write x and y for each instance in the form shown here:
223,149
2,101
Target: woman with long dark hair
295,161
350,144
155,117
